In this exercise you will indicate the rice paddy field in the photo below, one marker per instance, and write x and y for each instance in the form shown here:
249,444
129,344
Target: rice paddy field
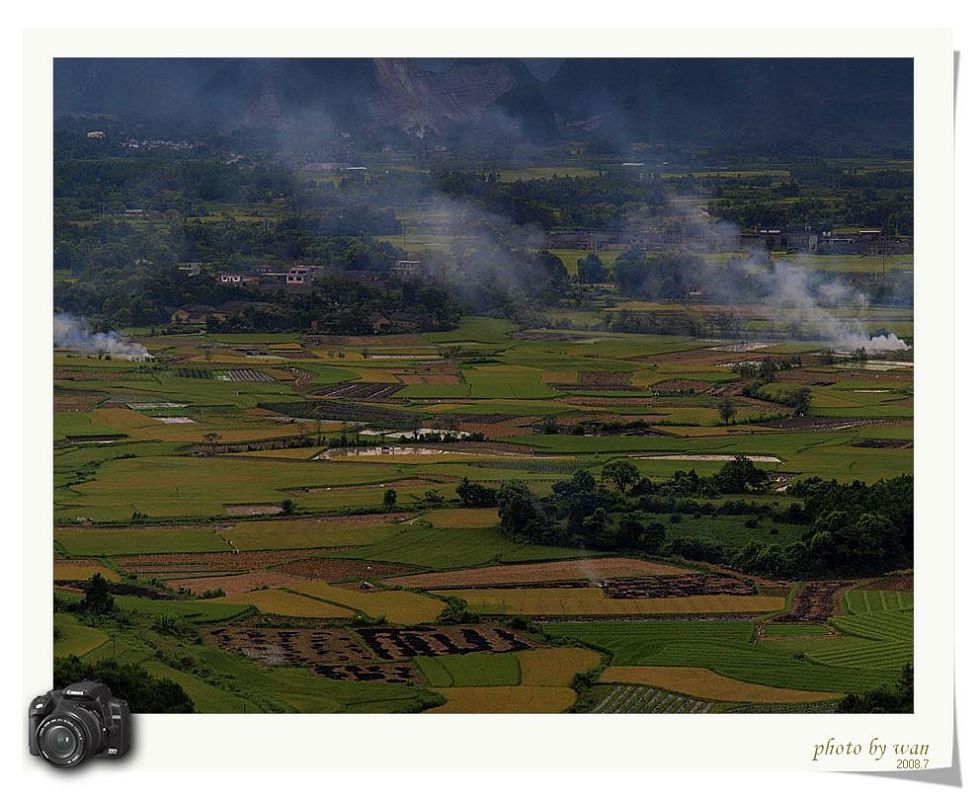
278,520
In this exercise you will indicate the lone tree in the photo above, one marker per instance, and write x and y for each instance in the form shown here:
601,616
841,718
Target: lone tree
727,410
801,401
288,506
621,473
390,498
739,476
98,600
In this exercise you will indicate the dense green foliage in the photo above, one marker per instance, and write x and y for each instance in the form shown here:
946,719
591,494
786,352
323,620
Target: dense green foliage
853,529
896,699
130,682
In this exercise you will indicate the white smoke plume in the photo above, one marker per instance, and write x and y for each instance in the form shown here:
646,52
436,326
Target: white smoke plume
804,297
796,291
74,333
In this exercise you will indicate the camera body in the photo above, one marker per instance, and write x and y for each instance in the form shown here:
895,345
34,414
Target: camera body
79,722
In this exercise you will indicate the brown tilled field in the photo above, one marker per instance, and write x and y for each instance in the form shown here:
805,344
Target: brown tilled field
292,646
341,569
816,601
443,640
235,584
676,586
901,582
77,401
548,572
212,562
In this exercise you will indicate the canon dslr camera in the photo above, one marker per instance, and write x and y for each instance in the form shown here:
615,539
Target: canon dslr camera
81,721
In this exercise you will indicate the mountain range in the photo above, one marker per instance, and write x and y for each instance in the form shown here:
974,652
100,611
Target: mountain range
862,104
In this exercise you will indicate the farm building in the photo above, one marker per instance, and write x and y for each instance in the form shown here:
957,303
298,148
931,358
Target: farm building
194,314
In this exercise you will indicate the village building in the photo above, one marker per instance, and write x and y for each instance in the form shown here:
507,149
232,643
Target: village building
406,269
237,279
302,276
191,269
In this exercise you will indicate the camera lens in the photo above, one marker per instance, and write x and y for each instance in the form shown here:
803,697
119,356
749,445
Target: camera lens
66,739
60,741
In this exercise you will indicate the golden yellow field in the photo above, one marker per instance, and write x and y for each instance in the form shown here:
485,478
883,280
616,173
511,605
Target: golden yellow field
277,601
506,700
707,684
400,608
82,569
463,518
593,602
555,666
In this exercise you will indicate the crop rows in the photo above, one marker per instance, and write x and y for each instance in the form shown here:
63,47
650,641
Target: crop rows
636,642
245,376
647,700
340,410
827,707
859,601
193,372
359,391
883,655
879,625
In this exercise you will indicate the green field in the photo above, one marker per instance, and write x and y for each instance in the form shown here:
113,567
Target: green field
725,648
239,495
471,670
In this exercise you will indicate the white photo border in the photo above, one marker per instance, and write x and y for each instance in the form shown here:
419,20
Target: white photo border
531,742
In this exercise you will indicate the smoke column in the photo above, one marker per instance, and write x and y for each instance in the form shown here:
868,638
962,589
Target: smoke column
73,333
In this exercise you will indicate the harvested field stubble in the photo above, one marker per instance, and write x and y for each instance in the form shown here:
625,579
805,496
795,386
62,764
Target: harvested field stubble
343,569
676,586
227,562
555,666
398,607
593,602
235,584
286,603
82,569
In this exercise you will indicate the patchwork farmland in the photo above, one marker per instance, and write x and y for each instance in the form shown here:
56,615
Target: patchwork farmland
339,543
